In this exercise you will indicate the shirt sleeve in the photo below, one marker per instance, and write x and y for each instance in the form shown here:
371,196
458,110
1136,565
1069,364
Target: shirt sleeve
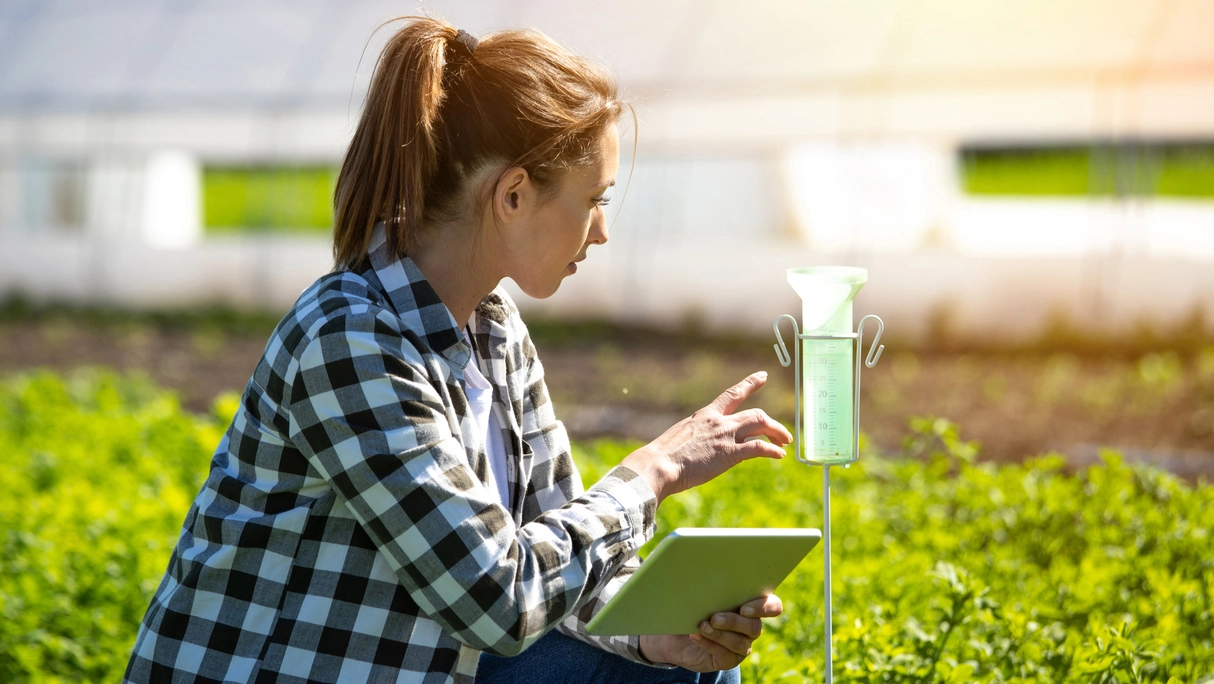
551,443
628,646
364,413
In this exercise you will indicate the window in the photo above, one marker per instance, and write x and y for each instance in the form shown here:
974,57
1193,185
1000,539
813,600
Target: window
52,195
268,198
1118,169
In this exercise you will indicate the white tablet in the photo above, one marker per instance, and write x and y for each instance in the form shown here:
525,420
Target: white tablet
698,571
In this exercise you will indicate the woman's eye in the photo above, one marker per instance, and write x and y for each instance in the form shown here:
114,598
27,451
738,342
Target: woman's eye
602,200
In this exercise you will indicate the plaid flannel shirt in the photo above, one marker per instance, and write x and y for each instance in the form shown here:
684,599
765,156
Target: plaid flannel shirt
345,533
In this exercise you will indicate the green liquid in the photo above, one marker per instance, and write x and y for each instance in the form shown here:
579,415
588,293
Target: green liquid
828,400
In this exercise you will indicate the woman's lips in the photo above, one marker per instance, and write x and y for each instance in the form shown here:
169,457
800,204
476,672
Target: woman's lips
572,267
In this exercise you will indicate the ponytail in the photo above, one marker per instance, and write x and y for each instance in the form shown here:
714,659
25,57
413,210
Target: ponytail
393,144
440,107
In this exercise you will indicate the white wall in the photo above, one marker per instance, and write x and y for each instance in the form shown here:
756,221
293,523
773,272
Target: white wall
152,197
266,273
728,285
727,194
725,284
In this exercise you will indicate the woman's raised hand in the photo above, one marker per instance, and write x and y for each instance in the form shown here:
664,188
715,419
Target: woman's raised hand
709,442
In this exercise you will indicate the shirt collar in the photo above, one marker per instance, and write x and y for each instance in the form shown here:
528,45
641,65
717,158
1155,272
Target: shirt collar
416,302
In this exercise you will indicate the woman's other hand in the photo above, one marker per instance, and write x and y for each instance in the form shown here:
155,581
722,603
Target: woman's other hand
723,642
709,442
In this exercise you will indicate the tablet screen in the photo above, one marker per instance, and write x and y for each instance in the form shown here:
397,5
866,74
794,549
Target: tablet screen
695,572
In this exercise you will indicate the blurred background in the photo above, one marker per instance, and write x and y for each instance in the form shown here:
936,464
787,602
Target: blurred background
1030,184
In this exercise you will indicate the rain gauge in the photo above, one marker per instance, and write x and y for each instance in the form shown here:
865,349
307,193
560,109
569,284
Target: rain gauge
826,363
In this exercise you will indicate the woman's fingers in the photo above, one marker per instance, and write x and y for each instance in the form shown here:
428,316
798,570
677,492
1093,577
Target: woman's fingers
757,447
749,627
735,642
733,397
756,423
720,653
736,632
709,442
764,607
751,427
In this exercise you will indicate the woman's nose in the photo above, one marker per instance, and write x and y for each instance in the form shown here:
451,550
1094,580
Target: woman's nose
598,229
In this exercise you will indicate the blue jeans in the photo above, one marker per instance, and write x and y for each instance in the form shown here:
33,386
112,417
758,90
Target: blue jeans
558,659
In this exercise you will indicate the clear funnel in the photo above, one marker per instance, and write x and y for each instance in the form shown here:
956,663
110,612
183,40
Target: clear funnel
826,296
829,368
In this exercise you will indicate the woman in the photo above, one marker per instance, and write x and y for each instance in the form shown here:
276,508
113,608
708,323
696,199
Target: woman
395,497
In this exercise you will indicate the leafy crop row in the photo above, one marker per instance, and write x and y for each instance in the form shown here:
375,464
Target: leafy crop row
97,473
945,569
950,570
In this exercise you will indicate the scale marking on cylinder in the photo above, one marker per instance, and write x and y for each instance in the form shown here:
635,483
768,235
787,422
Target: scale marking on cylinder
828,394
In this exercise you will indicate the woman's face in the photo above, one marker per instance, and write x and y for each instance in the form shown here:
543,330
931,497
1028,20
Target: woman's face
546,244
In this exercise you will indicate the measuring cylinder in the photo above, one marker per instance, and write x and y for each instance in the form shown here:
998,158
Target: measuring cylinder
828,391
828,398
826,366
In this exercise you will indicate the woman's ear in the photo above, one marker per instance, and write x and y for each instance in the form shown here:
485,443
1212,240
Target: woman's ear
513,195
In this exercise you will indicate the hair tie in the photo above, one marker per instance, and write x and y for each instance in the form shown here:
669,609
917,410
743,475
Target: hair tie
462,47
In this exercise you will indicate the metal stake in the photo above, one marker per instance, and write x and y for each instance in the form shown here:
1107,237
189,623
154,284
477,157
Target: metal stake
826,538
874,354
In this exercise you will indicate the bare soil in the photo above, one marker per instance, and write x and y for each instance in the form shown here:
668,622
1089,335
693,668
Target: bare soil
1155,406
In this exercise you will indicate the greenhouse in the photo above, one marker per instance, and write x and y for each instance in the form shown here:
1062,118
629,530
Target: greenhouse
1055,159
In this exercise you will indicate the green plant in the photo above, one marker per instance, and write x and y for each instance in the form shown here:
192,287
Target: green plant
949,569
946,568
98,471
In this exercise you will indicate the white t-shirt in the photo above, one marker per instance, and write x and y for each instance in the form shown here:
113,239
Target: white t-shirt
480,400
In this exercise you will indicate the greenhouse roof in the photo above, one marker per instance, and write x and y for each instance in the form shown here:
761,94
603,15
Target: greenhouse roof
139,55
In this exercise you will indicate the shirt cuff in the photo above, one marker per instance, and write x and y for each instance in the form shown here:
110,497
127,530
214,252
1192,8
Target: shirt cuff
635,498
